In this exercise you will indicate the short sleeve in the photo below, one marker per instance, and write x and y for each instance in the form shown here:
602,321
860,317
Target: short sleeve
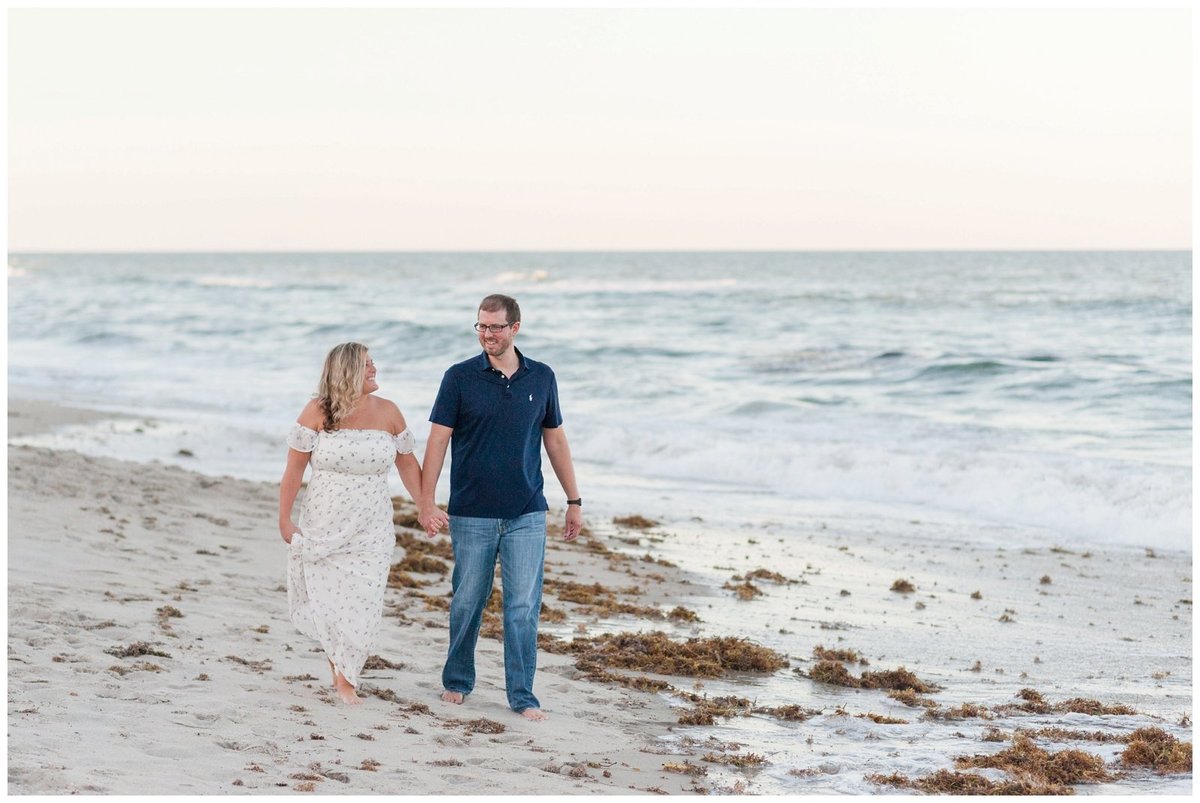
445,406
405,442
301,438
552,419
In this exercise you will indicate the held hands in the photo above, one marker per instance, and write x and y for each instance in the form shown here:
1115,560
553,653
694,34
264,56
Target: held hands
574,522
433,519
287,528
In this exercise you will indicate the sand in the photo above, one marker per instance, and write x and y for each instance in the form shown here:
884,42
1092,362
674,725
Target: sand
101,550
105,554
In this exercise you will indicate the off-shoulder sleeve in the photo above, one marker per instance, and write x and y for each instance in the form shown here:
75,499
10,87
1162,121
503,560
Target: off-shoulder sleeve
301,438
405,442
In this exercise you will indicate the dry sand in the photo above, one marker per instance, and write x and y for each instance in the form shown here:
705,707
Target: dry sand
101,551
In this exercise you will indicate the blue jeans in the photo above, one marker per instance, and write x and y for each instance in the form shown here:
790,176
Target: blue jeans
520,544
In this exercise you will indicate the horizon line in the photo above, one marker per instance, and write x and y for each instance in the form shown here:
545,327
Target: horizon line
315,251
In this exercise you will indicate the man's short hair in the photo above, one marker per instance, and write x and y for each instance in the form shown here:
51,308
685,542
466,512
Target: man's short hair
497,302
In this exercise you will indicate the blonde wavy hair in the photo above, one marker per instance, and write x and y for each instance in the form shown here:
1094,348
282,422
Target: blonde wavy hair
341,382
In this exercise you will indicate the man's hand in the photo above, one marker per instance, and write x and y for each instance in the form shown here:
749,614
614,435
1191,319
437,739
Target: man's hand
574,522
433,519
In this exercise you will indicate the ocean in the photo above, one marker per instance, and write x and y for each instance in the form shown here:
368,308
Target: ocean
1047,391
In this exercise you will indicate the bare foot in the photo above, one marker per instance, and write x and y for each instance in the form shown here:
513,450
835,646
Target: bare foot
333,674
535,714
455,697
347,693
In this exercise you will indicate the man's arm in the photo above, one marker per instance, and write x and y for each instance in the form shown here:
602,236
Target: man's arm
559,452
431,517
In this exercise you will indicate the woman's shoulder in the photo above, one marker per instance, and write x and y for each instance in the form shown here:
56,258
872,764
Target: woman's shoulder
312,416
387,410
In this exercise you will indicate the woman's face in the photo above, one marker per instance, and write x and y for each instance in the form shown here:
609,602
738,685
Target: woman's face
369,383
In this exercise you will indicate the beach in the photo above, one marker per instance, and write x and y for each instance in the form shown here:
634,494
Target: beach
150,650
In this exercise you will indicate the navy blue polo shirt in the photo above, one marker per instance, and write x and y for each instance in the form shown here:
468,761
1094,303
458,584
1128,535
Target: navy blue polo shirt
496,448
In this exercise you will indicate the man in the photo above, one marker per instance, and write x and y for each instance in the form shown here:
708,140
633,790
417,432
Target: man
497,410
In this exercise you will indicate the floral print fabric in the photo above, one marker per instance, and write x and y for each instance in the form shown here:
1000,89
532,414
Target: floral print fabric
338,563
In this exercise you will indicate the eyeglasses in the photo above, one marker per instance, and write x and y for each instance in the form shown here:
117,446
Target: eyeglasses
494,328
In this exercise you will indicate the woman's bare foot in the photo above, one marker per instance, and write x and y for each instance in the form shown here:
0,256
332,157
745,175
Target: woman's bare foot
536,714
455,697
346,692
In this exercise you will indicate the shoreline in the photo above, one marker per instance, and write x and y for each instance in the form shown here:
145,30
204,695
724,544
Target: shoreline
82,526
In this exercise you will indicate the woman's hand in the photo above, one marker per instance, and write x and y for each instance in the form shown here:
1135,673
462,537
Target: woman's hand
287,528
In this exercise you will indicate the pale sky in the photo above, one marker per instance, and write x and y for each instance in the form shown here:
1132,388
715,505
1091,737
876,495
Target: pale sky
408,129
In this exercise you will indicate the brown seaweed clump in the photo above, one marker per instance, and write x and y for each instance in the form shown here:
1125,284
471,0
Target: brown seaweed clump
398,578
1026,758
1158,750
682,614
789,713
421,564
138,648
697,657
635,522
1080,705
945,782
852,656
706,710
686,768
744,591
484,725
911,699
378,662
898,679
902,586
735,760
767,574
880,719
834,673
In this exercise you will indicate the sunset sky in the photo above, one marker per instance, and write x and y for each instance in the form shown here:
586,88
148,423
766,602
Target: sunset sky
460,129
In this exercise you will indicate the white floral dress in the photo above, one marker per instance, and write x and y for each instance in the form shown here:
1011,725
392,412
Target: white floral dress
338,563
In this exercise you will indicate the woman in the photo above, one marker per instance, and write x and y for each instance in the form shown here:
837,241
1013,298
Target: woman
339,555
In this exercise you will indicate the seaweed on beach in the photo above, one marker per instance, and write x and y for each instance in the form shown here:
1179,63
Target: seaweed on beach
1024,757
696,657
398,578
705,710
911,698
484,725
744,591
420,545
767,574
945,782
740,761
902,586
686,768
880,719
1065,735
378,662
964,711
682,614
138,648
258,666
901,679
1080,705
851,656
421,564
1035,703
1158,750
789,713
635,522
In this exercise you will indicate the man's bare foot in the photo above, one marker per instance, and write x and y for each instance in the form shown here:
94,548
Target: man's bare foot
535,714
455,697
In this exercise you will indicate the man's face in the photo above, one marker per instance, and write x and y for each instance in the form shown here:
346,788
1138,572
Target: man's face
496,344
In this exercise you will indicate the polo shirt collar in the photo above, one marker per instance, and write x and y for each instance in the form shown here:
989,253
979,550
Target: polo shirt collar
483,364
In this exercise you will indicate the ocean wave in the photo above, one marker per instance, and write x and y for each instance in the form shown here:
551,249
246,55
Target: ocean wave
1089,500
235,281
